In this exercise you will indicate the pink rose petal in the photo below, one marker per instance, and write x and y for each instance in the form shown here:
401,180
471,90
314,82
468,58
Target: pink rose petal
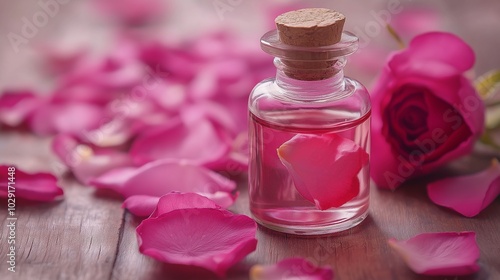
468,194
324,168
71,118
236,162
36,186
200,142
176,201
290,269
84,93
115,179
442,253
16,107
141,205
87,162
437,52
153,206
161,177
214,239
62,56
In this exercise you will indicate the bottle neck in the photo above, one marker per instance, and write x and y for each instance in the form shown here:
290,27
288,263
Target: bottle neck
310,83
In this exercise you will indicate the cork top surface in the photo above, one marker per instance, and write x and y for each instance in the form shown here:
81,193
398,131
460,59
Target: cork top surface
309,18
310,27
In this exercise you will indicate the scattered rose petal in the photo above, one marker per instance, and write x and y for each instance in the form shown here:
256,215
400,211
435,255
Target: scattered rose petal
291,269
199,142
145,205
36,186
16,107
211,238
236,161
468,194
61,56
115,179
84,93
70,118
141,205
161,177
324,168
87,162
442,253
175,201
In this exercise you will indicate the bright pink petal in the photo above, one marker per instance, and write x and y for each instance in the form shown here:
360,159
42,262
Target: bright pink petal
144,205
36,186
141,205
61,57
70,118
468,194
215,112
99,163
16,107
324,168
214,239
161,177
200,142
115,179
87,162
236,161
437,53
442,253
84,93
290,269
176,201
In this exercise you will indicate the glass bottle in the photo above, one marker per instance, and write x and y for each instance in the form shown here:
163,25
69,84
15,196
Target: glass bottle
310,98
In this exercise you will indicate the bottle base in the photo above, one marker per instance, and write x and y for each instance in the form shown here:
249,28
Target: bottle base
309,229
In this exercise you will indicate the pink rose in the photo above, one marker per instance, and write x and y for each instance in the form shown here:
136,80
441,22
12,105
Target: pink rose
425,111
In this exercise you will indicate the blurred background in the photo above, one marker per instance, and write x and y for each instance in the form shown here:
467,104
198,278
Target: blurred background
112,72
69,26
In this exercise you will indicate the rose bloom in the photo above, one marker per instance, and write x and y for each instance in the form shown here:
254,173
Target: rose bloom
426,113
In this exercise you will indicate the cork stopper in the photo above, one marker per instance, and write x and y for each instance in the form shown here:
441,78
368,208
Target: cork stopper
315,27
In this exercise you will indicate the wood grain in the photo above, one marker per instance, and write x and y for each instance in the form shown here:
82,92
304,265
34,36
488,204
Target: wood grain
77,236
89,236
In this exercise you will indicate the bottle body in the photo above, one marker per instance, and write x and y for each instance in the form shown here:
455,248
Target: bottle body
283,109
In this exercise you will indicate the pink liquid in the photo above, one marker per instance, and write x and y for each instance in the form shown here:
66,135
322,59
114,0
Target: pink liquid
274,200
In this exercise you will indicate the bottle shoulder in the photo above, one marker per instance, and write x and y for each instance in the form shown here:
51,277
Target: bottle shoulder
270,102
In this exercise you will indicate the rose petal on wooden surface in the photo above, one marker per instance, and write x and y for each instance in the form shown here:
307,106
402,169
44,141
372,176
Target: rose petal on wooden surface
87,162
141,205
175,201
199,142
30,186
164,176
467,194
17,106
440,253
214,239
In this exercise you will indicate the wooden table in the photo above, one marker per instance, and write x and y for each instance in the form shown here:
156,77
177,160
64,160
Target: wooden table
89,236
